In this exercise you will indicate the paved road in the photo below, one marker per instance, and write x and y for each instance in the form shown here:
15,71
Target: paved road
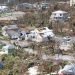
58,57
60,39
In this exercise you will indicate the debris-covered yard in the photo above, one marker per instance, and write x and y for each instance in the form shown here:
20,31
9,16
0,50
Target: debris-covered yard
37,38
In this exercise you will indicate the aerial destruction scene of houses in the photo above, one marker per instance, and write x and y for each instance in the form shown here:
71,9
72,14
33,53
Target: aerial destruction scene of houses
37,37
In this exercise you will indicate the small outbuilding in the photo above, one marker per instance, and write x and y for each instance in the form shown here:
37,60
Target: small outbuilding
8,49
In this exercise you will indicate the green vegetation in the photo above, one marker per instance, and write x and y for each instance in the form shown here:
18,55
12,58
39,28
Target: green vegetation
1,46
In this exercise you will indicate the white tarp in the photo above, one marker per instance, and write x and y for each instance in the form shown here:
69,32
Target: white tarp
69,69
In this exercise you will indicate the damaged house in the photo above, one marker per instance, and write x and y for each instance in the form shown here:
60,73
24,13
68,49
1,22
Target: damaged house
41,34
11,31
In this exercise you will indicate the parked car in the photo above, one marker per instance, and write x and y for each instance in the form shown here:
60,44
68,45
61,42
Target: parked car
40,6
67,38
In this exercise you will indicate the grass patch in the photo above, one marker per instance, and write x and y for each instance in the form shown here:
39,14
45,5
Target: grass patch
3,38
1,46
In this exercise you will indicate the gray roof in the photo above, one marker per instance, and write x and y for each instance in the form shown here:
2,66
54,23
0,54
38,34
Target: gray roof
12,27
13,33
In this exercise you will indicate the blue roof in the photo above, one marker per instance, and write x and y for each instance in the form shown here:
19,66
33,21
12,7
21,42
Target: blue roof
1,65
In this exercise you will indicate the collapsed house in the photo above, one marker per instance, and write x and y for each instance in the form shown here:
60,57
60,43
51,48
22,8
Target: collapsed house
46,33
34,36
39,35
11,31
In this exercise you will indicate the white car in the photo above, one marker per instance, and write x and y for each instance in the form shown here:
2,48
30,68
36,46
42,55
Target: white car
67,38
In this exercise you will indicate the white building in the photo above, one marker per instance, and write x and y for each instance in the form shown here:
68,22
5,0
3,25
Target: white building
72,2
59,15
67,70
